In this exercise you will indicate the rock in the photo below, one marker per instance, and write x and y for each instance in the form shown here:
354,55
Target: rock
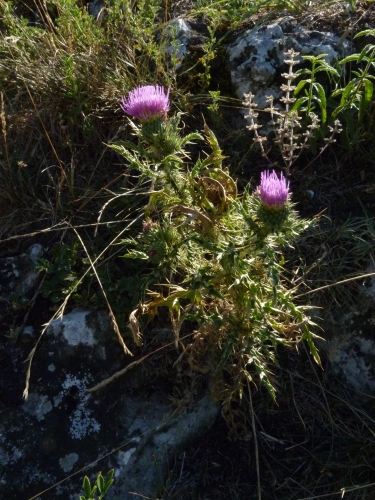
19,274
257,56
142,469
95,7
18,277
62,428
351,351
184,36
180,31
350,344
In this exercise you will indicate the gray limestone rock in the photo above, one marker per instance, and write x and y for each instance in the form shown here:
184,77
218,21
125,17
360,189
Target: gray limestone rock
257,56
350,344
19,274
62,428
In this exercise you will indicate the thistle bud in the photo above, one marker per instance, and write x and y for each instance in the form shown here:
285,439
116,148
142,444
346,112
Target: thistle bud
146,102
273,194
273,191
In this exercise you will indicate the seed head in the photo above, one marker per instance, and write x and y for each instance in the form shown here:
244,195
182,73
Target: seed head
273,191
146,102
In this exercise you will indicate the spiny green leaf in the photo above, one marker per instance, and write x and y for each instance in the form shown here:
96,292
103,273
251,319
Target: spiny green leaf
308,336
135,254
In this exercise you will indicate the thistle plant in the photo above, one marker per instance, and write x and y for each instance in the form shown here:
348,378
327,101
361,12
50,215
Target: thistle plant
212,257
286,122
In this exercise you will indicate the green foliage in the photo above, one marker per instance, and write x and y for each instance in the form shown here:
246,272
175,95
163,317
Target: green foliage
101,485
215,258
297,114
68,273
318,85
64,72
233,11
209,51
358,92
313,90
61,271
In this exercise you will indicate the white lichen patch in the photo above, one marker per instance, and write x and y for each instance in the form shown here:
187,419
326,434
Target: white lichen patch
67,462
37,405
353,357
123,458
35,252
74,328
58,399
9,457
15,271
81,420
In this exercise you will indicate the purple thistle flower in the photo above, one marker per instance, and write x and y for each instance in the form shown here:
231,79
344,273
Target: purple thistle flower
273,191
146,102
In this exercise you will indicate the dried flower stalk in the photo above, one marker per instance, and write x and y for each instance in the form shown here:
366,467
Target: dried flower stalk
286,122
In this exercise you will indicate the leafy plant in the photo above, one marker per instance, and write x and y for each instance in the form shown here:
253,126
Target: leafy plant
214,257
287,122
358,92
61,272
102,485
314,91
209,52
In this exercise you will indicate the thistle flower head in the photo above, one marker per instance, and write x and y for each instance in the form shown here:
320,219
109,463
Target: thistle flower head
273,191
146,102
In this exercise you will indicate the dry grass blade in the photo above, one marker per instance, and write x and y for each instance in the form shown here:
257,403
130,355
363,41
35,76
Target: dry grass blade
60,312
342,492
354,278
117,374
111,315
255,440
134,327
4,125
130,366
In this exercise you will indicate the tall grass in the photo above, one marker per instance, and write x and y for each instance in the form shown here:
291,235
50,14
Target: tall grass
62,76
